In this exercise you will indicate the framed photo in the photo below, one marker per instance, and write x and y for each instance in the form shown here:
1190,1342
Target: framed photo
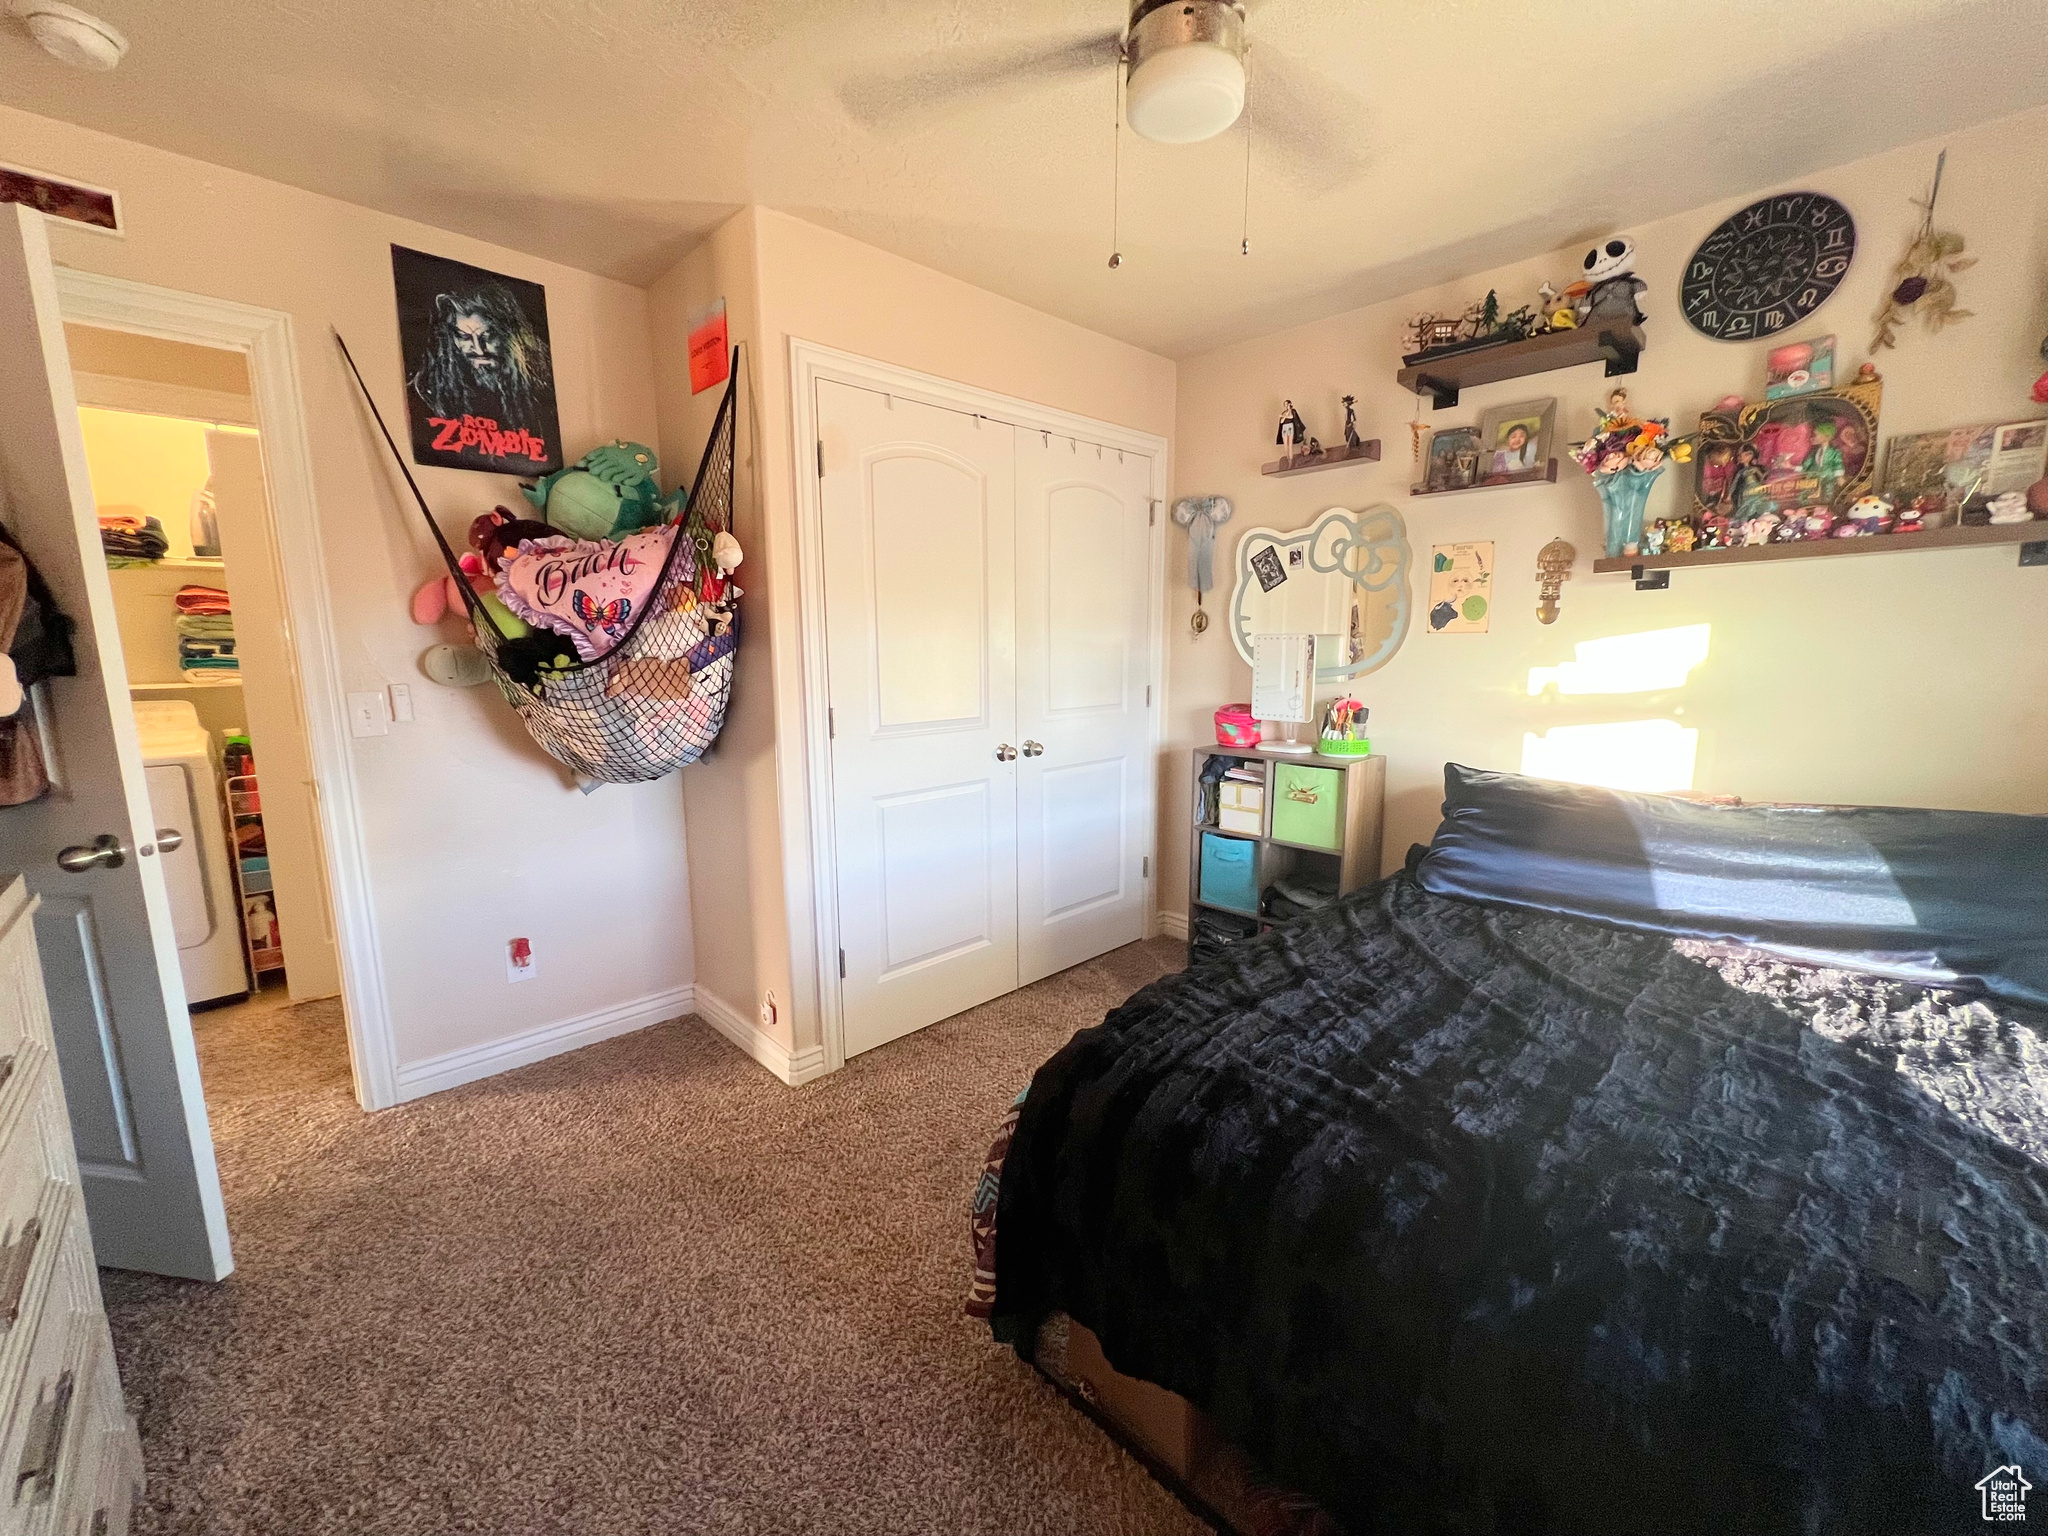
1942,475
95,208
479,373
1453,459
1515,439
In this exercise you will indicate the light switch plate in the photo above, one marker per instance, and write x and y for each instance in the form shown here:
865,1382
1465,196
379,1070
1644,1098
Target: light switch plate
367,715
401,702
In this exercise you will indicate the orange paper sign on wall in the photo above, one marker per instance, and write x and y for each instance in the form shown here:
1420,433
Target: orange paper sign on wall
709,360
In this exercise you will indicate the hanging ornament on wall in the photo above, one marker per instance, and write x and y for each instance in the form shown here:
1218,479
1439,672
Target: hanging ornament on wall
1925,275
1553,570
1201,516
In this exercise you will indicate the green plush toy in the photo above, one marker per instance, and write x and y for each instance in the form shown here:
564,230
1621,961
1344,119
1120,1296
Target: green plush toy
607,494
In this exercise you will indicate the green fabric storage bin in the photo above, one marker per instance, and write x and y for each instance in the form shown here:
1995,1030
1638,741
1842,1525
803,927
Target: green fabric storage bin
1230,872
1308,805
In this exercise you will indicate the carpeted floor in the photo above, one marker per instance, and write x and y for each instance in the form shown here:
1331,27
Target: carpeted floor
641,1288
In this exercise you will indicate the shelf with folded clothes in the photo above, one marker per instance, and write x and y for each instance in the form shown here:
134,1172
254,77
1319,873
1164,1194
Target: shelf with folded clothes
190,680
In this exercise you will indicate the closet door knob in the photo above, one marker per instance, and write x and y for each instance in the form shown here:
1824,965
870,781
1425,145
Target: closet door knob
169,839
1006,753
1034,749
106,852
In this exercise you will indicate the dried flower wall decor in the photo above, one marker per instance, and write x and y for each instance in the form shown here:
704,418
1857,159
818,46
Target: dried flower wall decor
1924,278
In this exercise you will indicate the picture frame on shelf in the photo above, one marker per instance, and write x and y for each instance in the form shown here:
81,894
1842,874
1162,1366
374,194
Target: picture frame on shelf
1453,459
1515,440
1940,476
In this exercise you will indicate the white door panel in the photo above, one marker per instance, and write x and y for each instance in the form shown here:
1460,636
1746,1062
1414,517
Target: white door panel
117,997
1084,802
918,507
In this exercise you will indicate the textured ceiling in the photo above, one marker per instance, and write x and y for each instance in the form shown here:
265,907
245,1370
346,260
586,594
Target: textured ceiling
1395,143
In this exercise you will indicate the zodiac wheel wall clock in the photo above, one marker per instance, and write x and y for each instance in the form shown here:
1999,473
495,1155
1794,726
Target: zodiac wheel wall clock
1768,267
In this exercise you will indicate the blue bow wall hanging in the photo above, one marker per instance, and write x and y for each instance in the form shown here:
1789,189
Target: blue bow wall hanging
1201,516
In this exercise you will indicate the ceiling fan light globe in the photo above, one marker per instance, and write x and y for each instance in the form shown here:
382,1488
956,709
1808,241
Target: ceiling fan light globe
1185,94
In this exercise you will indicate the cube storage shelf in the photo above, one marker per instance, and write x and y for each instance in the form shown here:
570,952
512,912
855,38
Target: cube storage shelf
1320,818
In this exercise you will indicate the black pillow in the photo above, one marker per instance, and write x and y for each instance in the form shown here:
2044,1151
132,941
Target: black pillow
1945,897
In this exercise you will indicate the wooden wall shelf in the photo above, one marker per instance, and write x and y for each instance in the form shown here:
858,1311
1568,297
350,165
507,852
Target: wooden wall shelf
1367,452
1546,474
2024,534
1442,377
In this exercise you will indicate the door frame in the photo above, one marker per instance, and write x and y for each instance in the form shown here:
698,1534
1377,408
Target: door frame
264,337
811,363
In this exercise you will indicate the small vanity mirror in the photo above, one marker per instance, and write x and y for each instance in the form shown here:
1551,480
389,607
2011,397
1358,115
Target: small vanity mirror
1344,579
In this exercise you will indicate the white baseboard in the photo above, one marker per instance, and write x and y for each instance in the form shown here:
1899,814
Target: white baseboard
1174,925
420,1078
794,1068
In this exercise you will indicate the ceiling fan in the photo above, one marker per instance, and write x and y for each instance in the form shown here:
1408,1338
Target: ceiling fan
1184,67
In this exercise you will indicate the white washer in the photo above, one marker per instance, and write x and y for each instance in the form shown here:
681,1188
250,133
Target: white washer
184,792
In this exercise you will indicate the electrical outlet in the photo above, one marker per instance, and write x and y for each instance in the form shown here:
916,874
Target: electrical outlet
519,961
367,715
401,702
768,1011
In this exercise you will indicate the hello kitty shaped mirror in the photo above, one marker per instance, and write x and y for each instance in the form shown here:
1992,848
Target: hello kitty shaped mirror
1343,579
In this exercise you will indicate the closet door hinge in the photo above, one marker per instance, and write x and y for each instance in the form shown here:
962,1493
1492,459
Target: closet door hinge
821,458
1148,867
842,965
1148,695
1152,515
831,725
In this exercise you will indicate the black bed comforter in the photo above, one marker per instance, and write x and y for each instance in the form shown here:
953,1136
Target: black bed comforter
1472,1220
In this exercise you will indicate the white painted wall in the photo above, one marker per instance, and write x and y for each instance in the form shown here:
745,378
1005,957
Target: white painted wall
1891,679
473,835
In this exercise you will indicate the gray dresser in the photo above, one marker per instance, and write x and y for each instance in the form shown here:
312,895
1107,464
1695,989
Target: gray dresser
69,1454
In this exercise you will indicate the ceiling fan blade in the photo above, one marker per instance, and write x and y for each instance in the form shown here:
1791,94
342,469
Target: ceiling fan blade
1306,128
879,98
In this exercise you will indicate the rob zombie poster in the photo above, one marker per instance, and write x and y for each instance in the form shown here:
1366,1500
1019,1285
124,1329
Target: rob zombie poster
479,379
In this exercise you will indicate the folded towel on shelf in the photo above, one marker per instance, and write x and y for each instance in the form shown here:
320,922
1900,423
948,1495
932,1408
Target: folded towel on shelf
132,541
201,600
190,649
208,664
207,626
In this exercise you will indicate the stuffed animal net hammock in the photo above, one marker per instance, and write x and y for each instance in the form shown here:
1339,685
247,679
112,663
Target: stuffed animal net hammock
655,698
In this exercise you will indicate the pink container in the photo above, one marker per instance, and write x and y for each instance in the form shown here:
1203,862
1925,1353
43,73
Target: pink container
1235,726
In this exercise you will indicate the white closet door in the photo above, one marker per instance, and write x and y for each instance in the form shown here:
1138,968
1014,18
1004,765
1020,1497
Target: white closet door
919,509
1084,790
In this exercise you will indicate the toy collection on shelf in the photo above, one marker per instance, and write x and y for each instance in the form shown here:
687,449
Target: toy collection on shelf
1802,463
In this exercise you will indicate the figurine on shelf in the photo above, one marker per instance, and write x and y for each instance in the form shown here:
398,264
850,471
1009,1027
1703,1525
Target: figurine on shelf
1351,437
1611,285
1867,515
1716,532
1653,539
1293,431
2010,507
1678,538
1761,529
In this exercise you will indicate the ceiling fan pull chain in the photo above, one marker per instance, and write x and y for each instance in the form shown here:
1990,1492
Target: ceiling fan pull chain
1116,160
1245,247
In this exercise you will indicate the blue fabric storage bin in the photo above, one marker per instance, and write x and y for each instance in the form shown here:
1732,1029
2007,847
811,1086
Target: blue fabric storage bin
1229,875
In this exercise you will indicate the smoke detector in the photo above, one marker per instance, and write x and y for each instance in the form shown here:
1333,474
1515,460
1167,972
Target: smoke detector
79,39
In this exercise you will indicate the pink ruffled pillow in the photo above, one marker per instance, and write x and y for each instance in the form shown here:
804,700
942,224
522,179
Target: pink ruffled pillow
588,589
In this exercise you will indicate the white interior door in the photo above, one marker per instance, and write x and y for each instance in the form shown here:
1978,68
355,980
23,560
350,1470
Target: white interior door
919,512
109,954
1084,786
277,718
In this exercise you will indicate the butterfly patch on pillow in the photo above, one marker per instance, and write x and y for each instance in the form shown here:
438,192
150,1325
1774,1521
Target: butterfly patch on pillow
589,589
